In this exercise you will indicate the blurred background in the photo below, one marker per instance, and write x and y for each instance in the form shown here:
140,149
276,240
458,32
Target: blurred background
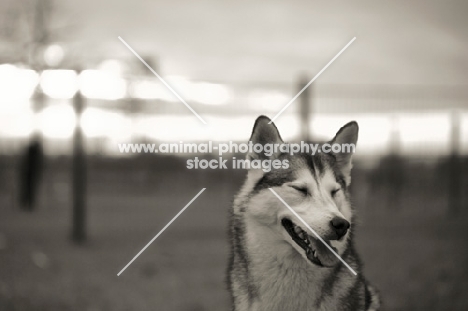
74,210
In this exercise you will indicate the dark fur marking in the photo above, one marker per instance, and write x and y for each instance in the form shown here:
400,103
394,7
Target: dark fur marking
368,297
353,300
328,284
239,253
274,178
314,165
332,163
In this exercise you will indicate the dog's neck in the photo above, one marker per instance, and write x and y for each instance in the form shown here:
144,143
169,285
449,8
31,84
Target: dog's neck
283,279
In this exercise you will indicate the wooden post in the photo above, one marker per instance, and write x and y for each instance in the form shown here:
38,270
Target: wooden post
79,176
455,172
305,109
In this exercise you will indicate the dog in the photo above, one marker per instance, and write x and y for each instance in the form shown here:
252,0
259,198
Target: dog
276,263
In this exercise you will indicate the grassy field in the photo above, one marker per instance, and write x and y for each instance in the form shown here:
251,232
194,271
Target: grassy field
415,253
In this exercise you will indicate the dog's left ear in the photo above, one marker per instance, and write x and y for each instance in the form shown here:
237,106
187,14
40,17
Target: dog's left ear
264,133
346,138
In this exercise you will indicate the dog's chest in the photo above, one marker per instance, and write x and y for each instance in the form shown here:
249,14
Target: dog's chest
281,278
285,288
283,281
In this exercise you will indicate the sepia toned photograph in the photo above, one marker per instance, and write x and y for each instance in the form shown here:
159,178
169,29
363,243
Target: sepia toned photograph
233,155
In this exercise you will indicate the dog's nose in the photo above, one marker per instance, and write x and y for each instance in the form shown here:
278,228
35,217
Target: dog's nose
340,225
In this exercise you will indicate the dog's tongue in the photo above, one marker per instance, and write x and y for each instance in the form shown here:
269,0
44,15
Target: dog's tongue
324,254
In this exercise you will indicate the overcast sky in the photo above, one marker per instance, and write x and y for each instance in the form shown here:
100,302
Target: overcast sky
398,42
273,42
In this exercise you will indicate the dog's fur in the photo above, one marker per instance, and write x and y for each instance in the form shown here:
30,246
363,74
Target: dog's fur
268,270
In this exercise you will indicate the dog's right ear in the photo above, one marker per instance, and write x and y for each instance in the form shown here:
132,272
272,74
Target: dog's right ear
264,133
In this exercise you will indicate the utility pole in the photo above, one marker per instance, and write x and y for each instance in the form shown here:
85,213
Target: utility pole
305,109
79,175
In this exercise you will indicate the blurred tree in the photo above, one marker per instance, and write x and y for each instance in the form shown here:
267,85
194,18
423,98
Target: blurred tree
27,28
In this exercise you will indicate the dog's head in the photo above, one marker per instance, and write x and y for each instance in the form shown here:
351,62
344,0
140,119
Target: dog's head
314,186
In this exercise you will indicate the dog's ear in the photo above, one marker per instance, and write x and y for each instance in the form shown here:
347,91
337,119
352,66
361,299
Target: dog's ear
264,133
347,138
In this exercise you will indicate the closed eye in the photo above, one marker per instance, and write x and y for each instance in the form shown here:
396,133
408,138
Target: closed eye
302,189
334,192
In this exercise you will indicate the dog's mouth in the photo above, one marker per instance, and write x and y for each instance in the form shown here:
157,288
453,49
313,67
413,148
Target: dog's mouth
316,252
